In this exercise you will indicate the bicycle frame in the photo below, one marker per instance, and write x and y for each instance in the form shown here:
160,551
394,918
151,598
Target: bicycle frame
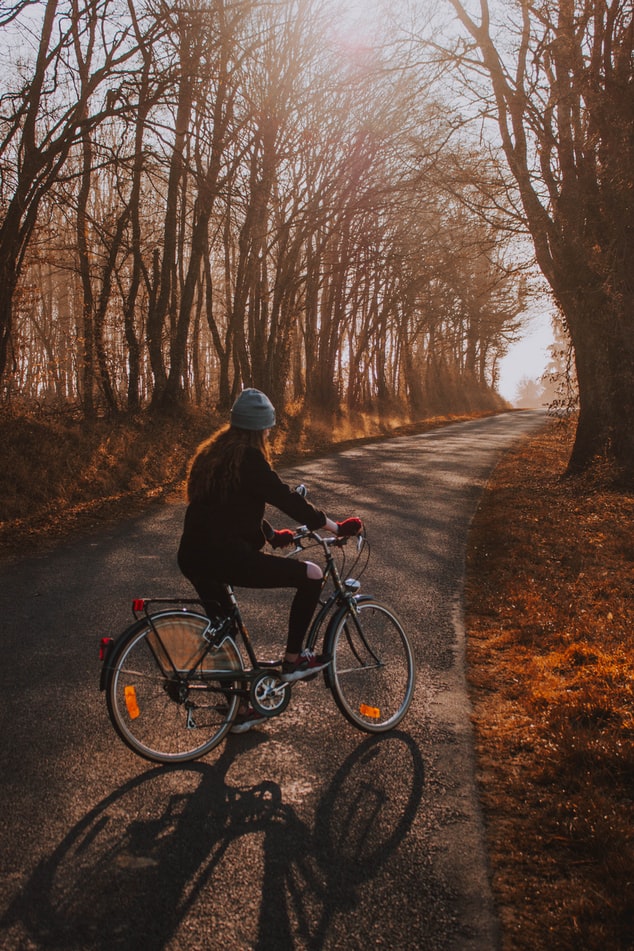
343,594
344,591
217,629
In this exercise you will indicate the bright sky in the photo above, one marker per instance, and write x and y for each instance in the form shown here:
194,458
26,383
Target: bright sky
528,357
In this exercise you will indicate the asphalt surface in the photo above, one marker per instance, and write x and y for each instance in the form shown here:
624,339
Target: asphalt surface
303,834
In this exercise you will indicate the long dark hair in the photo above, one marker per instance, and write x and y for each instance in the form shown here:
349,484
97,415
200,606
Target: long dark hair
215,467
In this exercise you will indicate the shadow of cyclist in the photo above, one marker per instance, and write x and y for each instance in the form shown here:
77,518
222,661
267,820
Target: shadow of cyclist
129,876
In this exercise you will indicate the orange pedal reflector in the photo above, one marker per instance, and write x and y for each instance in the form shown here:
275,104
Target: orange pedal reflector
367,711
130,702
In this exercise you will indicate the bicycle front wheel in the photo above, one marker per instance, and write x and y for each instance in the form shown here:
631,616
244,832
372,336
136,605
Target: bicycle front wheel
372,675
168,694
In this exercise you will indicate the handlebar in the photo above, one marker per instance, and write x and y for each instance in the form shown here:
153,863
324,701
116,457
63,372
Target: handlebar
326,541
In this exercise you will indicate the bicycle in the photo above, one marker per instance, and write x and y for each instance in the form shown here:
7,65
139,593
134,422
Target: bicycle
174,679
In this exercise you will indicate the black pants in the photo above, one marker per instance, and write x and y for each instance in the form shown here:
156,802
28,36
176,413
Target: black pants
240,565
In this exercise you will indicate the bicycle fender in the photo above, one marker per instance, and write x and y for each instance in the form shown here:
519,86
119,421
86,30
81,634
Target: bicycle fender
113,650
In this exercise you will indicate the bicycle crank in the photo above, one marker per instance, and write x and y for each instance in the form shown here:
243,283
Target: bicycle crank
269,694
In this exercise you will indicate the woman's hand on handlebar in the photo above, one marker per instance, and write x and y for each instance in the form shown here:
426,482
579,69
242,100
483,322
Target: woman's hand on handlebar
282,538
349,527
345,529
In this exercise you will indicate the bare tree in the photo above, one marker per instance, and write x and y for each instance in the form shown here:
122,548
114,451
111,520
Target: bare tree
221,54
43,120
561,82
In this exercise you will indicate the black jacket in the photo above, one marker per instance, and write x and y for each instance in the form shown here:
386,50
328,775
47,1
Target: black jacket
214,522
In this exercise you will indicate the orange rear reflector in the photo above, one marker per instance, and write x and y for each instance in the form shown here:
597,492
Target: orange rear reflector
130,702
367,711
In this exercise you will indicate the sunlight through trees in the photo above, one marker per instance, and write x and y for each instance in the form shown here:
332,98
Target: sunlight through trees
214,194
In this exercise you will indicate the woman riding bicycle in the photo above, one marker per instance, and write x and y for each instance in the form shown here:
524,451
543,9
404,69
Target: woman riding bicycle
230,482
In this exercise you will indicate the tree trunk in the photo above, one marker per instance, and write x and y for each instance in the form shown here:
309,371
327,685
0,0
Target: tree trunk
163,301
604,357
87,306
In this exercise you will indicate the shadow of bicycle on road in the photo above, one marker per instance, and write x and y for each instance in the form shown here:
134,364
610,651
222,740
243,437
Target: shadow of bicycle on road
151,860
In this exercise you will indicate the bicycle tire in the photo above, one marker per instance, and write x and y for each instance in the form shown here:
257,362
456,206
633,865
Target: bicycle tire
372,675
162,709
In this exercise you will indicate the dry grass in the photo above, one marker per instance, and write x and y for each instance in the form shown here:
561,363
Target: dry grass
550,615
61,474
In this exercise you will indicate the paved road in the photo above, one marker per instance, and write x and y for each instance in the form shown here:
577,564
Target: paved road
305,834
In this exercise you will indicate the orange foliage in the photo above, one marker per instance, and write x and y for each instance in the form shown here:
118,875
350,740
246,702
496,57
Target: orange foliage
550,616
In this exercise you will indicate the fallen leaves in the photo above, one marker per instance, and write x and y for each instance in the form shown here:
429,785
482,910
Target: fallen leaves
550,618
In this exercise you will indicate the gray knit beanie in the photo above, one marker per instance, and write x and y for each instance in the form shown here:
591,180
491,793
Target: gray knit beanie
253,410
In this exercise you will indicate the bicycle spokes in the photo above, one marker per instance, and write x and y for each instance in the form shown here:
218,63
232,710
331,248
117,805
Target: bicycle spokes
372,675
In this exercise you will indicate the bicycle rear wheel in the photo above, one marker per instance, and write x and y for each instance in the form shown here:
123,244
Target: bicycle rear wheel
372,675
164,696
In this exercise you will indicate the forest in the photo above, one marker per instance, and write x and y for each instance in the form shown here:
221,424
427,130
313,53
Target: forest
203,196
352,207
